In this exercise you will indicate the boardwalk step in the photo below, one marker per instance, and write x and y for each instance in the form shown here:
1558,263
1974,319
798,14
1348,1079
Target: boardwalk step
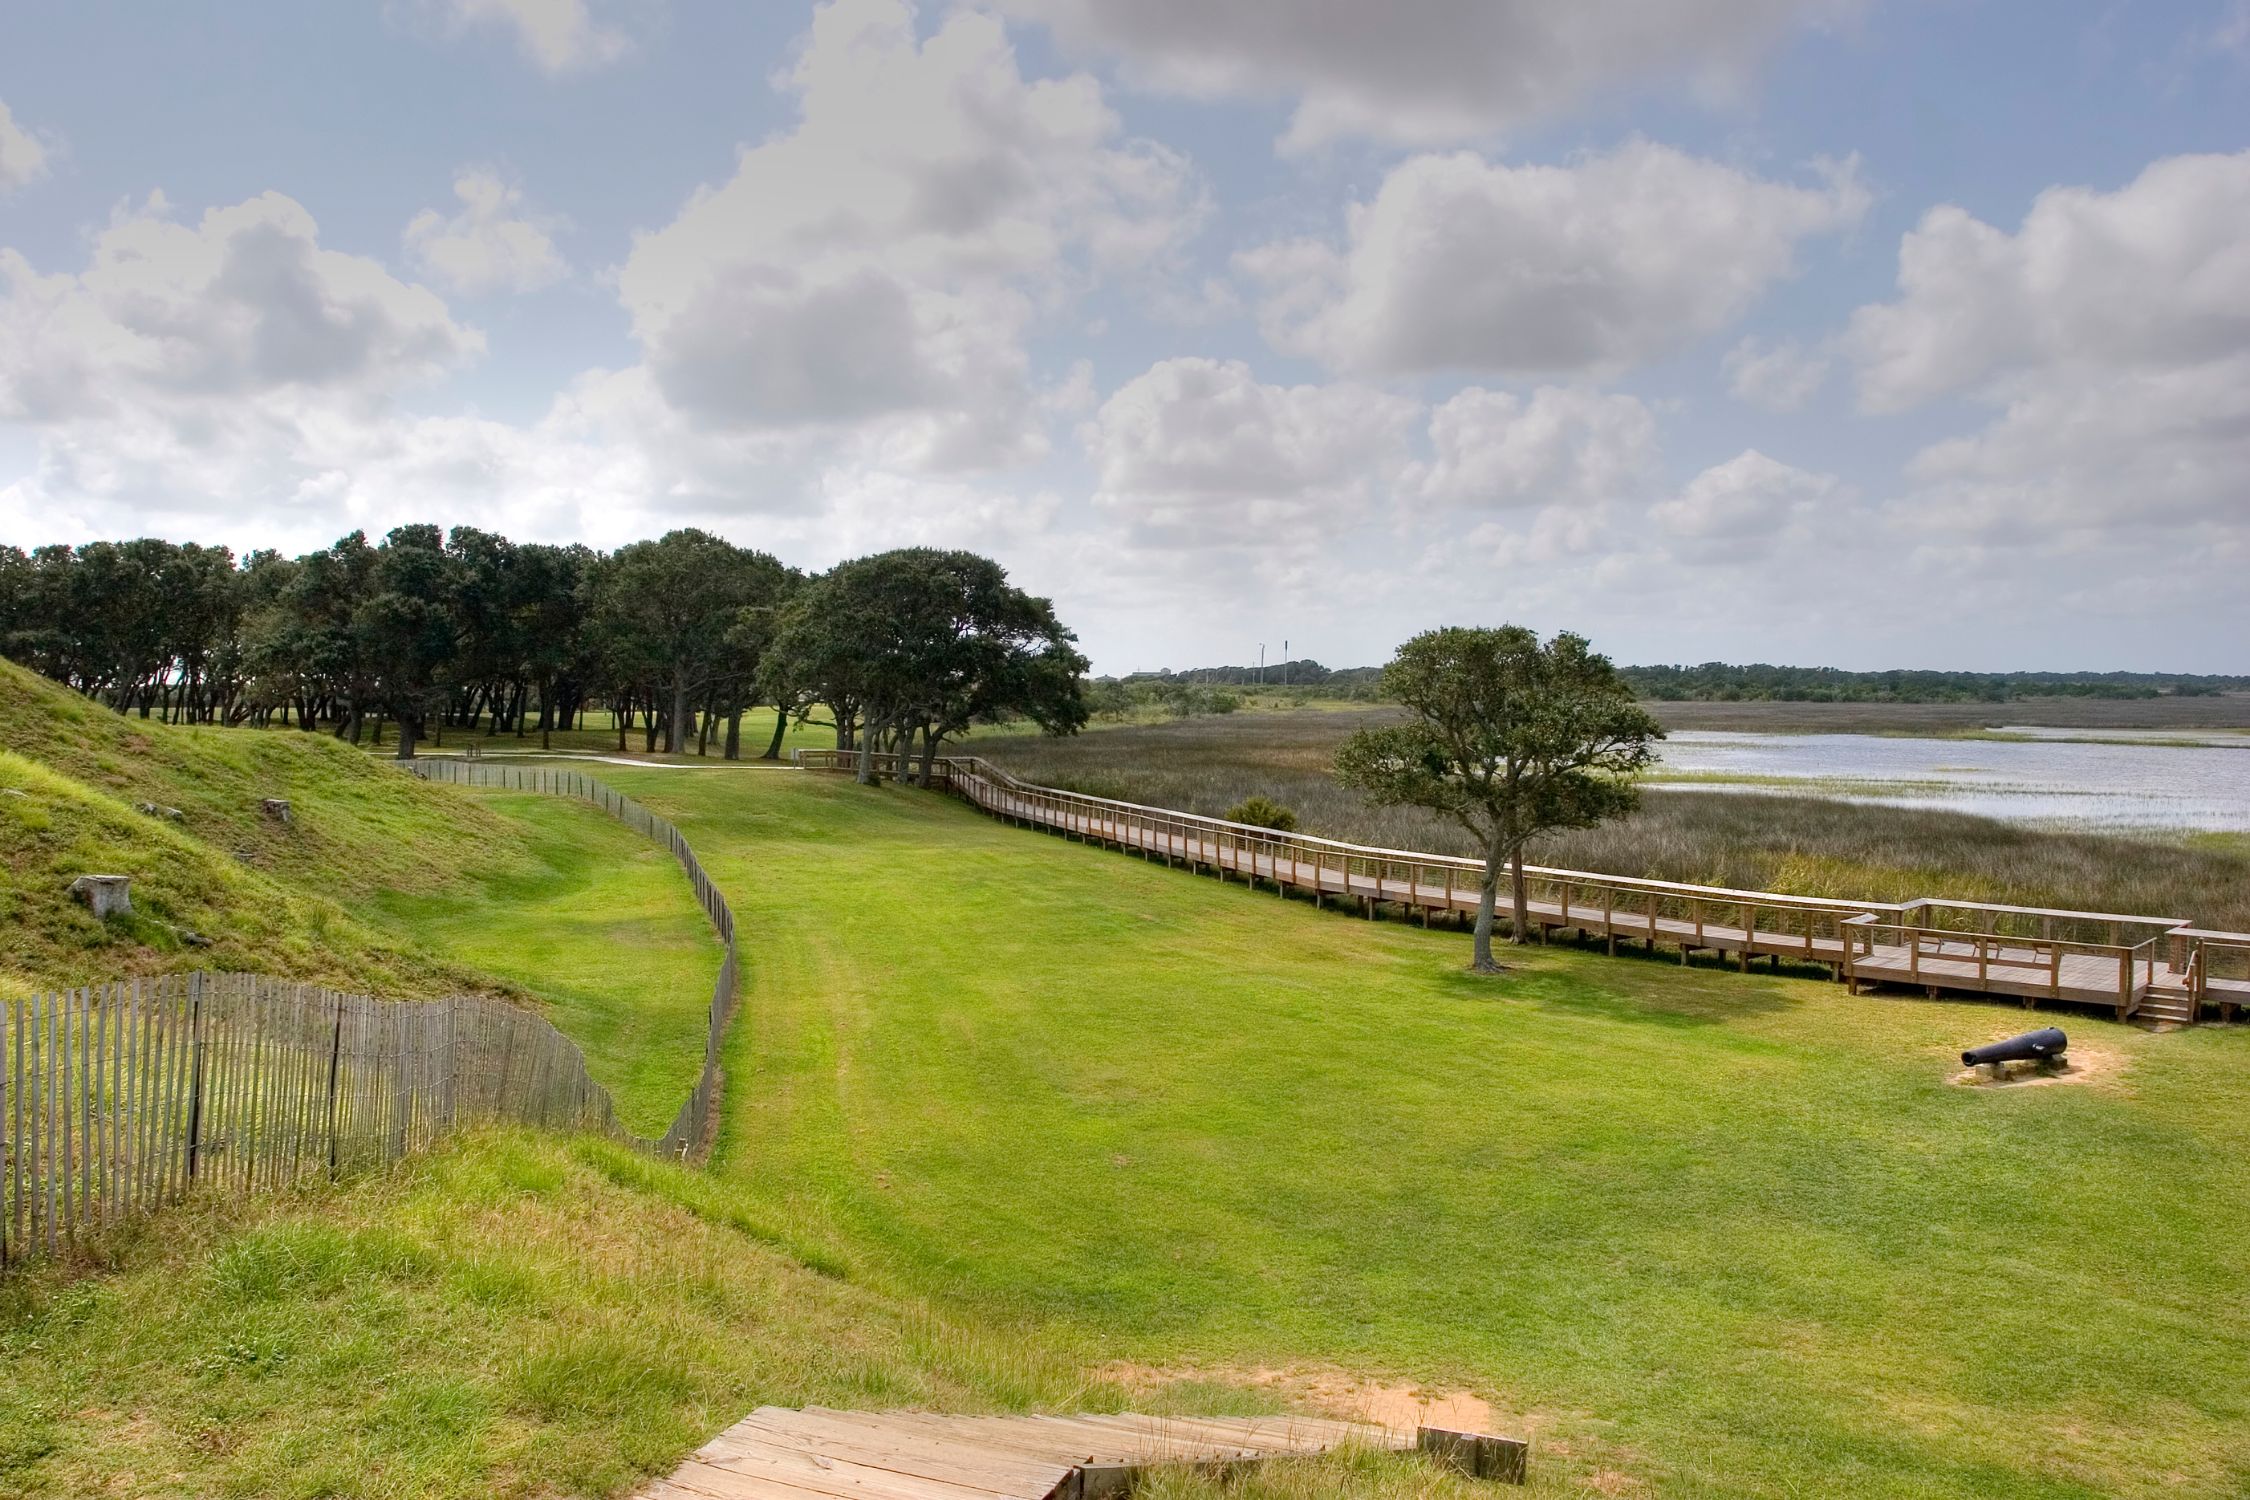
819,1453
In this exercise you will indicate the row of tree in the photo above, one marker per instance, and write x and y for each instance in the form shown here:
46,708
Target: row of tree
1728,682
428,630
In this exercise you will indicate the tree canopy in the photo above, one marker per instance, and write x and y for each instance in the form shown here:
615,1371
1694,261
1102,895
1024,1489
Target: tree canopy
1511,738
917,644
429,630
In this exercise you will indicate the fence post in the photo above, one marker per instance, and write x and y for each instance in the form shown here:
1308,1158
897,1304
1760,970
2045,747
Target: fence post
195,1080
335,1059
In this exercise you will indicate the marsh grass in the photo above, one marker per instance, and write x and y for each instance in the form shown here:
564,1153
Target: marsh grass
1802,845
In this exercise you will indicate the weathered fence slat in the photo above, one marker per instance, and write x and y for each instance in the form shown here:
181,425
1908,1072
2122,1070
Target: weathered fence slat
119,1098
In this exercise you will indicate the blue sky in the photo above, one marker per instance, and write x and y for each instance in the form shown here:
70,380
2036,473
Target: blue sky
1863,332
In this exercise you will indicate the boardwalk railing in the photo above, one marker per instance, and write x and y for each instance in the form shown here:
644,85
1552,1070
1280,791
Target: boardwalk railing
2101,958
119,1098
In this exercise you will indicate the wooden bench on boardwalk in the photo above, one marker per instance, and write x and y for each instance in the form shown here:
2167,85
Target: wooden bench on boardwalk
2154,969
818,1453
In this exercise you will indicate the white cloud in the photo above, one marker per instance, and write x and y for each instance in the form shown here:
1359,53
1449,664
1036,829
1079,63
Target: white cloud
210,371
1199,450
2157,272
2111,334
183,318
1746,505
558,36
1564,447
1779,377
490,244
1588,268
884,260
23,158
1424,72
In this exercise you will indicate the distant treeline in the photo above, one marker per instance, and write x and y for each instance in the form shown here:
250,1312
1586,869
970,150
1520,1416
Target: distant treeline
1304,672
431,630
1725,682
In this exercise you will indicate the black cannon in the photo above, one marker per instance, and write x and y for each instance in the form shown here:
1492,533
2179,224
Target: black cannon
2044,1045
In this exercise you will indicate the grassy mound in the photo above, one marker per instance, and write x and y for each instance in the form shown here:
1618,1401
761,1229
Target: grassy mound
359,826
379,883
194,906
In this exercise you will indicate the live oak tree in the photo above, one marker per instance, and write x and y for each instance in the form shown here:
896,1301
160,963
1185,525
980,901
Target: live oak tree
666,607
919,643
1511,738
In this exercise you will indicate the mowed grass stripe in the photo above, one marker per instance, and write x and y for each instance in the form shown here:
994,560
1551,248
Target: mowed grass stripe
602,926
1737,1234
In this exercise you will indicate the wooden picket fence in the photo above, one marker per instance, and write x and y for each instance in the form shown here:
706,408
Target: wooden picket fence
116,1099
121,1097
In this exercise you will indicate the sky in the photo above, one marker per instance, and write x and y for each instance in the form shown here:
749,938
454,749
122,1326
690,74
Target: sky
1863,333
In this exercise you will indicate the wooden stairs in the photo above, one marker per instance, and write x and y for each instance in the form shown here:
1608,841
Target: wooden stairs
818,1453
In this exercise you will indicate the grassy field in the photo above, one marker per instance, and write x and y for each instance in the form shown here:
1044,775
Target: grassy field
1806,845
596,734
1702,1233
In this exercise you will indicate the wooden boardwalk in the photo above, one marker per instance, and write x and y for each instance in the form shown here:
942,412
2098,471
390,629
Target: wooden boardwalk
2154,969
817,1453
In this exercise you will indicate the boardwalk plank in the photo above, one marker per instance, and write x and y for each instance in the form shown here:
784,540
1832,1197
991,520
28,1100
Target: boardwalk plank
824,1453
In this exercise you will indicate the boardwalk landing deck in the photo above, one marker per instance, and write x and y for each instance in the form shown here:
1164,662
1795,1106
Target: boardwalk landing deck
817,1453
2146,968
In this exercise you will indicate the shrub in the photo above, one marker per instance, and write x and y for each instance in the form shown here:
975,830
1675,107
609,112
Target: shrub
1263,812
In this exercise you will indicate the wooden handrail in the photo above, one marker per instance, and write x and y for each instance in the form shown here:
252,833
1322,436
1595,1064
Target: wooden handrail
1854,919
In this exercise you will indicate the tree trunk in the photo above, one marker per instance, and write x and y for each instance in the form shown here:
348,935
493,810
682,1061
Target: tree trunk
867,760
733,750
409,730
780,728
1481,960
675,733
1520,898
929,755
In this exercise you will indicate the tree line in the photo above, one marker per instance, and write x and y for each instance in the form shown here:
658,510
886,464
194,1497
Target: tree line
429,630
1754,682
1758,682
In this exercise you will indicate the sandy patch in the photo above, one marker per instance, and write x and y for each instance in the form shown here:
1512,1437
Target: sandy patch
1339,1393
2083,1062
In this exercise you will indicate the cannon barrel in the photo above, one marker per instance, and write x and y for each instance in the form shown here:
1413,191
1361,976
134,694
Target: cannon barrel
2033,1046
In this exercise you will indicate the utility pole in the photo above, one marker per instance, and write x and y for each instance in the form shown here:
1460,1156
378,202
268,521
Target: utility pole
1285,661
1261,663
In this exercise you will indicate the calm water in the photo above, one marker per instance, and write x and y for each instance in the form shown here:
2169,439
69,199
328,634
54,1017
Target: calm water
2194,784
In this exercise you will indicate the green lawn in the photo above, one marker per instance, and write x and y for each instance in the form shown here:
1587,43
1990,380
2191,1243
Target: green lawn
602,926
1714,1234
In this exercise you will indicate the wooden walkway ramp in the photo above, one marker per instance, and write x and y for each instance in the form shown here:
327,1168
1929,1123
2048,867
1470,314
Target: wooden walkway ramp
777,1453
2154,969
